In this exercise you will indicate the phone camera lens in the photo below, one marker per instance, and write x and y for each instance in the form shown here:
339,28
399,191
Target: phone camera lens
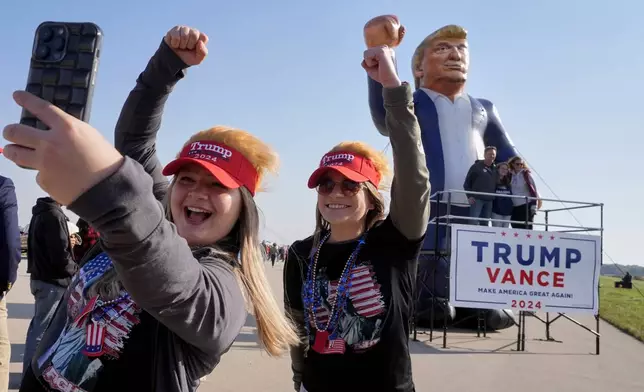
58,43
42,52
59,30
46,34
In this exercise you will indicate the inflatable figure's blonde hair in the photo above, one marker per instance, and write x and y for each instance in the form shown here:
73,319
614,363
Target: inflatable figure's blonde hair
445,32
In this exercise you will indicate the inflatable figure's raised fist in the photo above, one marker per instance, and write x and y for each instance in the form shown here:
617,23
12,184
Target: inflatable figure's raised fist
188,43
383,30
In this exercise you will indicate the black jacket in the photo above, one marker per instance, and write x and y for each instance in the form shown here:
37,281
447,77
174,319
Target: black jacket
481,178
9,235
49,253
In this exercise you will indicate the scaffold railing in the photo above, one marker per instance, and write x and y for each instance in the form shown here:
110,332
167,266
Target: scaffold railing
446,213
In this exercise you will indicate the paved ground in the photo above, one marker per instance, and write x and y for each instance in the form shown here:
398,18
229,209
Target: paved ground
468,364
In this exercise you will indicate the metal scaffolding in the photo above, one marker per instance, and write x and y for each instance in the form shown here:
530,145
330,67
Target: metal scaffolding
440,225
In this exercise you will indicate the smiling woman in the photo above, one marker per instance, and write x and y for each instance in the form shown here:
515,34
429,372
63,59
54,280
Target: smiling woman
204,198
162,297
348,287
347,183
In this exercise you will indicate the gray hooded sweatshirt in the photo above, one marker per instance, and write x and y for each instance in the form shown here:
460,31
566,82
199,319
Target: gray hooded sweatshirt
187,306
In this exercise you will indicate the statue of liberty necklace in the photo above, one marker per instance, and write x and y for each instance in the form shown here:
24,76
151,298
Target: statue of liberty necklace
326,341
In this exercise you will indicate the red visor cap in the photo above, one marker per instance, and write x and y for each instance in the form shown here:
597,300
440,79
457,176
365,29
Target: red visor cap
226,164
351,165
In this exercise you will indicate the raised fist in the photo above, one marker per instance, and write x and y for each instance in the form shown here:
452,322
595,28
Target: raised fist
188,43
379,64
383,30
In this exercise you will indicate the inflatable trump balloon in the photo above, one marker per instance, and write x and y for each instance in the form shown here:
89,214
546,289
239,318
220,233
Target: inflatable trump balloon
456,128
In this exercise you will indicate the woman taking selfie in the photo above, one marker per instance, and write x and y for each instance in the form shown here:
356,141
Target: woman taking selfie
166,299
348,287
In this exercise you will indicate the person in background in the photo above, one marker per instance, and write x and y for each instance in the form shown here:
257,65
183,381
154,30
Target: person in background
522,184
627,281
502,206
74,237
481,178
51,264
262,248
88,237
9,261
273,253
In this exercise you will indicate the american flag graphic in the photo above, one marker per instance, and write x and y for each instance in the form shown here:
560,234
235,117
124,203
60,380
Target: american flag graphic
335,346
94,339
120,319
364,295
91,304
109,326
96,268
90,272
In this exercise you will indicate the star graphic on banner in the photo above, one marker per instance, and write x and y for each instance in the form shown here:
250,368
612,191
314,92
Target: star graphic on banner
552,237
516,234
529,235
503,233
540,236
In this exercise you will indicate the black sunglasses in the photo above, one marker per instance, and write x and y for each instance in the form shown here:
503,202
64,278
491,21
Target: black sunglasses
348,187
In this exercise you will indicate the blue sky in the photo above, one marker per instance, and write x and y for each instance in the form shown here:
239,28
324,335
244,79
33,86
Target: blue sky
565,76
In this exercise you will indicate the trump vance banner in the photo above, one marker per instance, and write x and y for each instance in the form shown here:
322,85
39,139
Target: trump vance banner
503,268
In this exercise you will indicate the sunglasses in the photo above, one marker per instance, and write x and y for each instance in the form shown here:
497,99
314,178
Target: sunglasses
348,187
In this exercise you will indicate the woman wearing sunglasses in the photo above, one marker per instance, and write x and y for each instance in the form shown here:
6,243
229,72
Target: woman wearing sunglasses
348,287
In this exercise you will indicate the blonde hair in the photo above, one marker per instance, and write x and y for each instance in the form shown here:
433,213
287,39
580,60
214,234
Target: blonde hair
445,32
378,158
381,165
276,332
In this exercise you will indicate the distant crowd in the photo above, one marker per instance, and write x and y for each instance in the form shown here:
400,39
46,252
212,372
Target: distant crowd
274,252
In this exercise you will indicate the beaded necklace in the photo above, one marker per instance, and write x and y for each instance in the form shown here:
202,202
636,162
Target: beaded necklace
338,304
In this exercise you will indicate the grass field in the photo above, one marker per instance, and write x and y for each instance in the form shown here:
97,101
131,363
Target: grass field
622,308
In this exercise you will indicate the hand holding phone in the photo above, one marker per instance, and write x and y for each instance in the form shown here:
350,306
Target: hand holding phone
71,157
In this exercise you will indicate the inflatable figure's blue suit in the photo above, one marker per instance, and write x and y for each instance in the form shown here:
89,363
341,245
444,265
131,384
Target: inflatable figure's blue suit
455,129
